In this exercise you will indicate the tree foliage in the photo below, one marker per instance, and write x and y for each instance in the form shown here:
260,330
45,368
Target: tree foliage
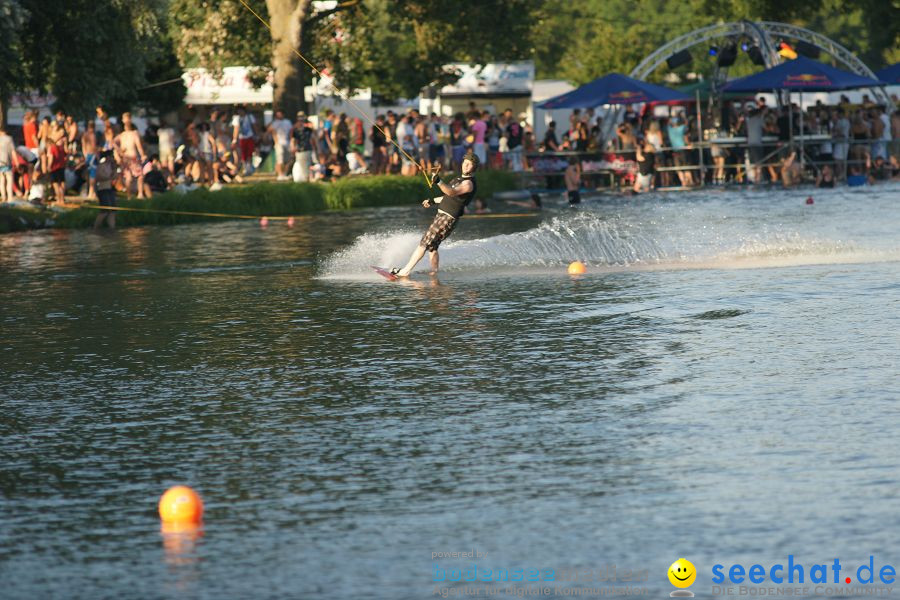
393,46
89,52
601,36
214,35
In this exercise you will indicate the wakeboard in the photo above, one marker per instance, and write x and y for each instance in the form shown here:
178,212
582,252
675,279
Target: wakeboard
385,273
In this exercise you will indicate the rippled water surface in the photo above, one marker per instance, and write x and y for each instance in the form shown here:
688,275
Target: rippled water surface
722,385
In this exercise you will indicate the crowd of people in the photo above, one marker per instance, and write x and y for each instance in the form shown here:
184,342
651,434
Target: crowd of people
54,156
57,155
399,142
746,142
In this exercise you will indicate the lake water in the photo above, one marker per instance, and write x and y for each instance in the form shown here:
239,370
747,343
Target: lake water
722,385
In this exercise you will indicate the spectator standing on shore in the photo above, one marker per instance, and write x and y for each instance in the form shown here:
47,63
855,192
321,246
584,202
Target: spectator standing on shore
30,132
458,133
89,150
131,156
625,134
859,133
72,139
474,112
56,163
7,152
754,122
436,153
881,133
341,133
478,126
379,146
654,137
514,139
302,146
280,128
582,136
680,142
551,143
406,136
244,133
327,127
166,147
572,132
632,117
492,136
421,138
358,144
393,152
44,141
841,136
224,132
596,133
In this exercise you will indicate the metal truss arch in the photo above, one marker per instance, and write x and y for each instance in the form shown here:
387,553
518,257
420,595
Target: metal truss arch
765,34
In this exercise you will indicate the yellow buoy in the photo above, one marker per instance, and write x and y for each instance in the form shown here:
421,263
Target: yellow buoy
180,504
577,268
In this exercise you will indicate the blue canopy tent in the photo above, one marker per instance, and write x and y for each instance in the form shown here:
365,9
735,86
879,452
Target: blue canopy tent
613,89
890,75
801,75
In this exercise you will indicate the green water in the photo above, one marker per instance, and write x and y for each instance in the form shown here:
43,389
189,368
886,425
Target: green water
721,385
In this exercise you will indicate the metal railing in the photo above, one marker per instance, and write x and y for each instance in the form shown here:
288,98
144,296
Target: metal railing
700,160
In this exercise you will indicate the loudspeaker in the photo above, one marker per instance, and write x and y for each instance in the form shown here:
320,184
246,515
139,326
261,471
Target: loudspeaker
727,55
806,49
756,56
679,58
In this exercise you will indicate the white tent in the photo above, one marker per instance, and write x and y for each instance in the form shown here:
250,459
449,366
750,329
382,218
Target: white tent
233,88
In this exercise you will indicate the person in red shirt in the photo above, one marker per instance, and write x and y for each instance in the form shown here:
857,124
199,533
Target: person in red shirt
30,131
56,158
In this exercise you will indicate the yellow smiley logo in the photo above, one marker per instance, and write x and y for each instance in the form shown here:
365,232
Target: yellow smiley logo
682,573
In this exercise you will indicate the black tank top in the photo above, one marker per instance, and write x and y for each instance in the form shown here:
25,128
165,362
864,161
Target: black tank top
455,206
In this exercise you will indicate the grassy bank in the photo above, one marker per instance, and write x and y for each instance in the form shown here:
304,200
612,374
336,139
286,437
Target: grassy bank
22,218
281,199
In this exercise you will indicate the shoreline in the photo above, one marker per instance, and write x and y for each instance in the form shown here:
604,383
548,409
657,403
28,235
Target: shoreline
249,200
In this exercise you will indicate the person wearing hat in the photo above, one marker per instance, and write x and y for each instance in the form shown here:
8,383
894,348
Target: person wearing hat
450,207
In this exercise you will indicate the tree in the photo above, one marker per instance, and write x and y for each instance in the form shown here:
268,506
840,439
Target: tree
90,52
12,75
214,35
603,36
396,47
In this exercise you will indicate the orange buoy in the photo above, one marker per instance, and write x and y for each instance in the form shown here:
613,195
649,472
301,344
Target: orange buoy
180,504
264,222
290,221
577,268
